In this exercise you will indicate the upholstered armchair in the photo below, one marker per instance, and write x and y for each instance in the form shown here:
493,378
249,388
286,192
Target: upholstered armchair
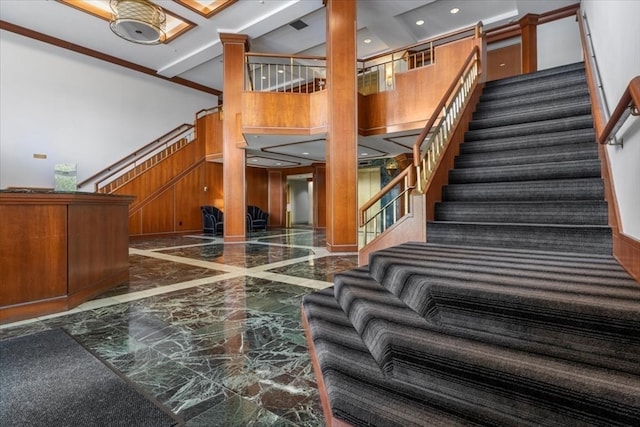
256,218
212,220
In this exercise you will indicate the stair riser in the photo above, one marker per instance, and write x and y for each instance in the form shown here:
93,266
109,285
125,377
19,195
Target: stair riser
532,86
550,73
590,240
541,140
524,157
518,117
585,214
575,92
535,128
543,171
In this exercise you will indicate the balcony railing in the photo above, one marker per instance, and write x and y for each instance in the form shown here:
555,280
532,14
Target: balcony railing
284,73
378,73
373,219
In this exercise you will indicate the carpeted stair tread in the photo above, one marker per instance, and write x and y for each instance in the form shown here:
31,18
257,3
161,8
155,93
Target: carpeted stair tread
525,129
547,190
539,171
578,90
542,140
360,394
561,238
563,212
576,68
564,152
532,113
570,328
408,351
532,270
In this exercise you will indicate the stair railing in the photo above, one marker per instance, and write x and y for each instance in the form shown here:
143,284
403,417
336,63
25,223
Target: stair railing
184,132
132,165
629,103
272,72
374,222
434,137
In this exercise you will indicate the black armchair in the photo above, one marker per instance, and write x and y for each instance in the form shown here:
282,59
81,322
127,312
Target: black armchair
212,220
256,218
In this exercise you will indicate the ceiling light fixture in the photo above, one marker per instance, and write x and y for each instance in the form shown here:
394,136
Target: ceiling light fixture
454,10
420,22
366,41
138,21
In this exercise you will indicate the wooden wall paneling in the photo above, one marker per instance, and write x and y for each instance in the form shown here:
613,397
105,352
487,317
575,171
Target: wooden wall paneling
98,249
188,195
135,223
158,215
212,133
214,184
275,110
276,203
258,188
33,253
504,62
412,101
318,112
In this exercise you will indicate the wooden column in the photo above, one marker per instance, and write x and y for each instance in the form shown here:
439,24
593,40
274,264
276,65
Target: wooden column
233,156
529,29
342,163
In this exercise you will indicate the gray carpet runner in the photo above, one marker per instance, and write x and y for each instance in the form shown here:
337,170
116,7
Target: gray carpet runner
513,313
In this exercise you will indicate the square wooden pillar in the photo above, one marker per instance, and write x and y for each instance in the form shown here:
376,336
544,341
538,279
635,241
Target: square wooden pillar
233,154
342,142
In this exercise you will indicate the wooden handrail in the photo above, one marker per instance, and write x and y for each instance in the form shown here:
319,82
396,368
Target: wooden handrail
127,160
407,172
630,98
139,204
207,111
512,29
454,84
284,55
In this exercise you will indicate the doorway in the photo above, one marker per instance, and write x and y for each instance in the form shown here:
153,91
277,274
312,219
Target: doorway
299,200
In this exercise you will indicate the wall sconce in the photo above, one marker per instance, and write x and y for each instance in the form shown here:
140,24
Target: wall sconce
391,166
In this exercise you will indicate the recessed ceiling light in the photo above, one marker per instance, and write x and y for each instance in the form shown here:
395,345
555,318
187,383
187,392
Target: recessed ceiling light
364,154
420,22
254,160
305,153
278,164
281,71
455,10
264,77
366,41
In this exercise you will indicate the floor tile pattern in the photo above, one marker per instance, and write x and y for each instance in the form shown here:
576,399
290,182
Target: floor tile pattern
211,329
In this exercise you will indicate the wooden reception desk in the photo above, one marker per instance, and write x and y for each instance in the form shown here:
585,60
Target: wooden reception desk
58,250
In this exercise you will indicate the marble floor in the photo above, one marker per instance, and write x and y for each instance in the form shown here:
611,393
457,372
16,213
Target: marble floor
210,329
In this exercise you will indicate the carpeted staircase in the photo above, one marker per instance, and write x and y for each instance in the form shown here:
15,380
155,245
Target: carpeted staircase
513,312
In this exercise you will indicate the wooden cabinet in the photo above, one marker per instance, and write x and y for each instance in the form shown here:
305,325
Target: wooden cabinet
58,250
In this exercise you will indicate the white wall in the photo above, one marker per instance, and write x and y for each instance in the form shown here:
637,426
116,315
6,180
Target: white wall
76,109
616,36
558,43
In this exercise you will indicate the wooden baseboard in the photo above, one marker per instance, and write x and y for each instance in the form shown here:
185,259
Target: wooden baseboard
626,250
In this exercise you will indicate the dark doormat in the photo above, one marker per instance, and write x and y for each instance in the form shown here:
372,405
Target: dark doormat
49,379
